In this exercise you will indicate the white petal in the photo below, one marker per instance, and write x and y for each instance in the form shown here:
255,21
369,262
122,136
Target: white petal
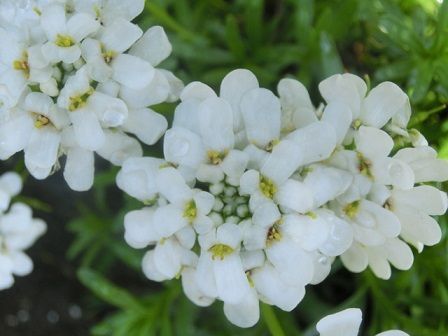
22,264
417,226
42,150
120,35
132,71
149,268
399,254
338,115
316,141
309,233
373,143
205,276
266,215
246,313
153,47
192,290
355,259
382,103
346,88
119,147
197,91
261,113
172,186
79,169
297,107
344,323
295,195
425,198
235,163
11,183
88,131
285,159
231,281
139,231
168,220
137,177
146,124
293,264
233,87
378,263
327,183
81,25
167,258
216,124
181,146
274,291
53,20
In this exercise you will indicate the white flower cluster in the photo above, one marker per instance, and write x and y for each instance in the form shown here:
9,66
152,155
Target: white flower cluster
18,231
77,77
257,195
347,323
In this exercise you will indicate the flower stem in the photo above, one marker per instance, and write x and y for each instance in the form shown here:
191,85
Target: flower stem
271,320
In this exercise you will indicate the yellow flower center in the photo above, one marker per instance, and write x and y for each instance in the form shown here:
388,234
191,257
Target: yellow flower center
220,251
270,146
77,102
190,211
351,210
41,121
64,41
274,234
22,65
267,187
215,157
364,166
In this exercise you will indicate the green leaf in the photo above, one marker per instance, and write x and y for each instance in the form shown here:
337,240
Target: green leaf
331,61
234,39
107,291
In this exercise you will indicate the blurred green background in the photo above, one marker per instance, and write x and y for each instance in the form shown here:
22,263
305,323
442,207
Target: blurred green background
403,41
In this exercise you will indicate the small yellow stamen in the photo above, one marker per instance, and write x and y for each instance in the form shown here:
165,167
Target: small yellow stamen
77,102
364,165
267,187
270,146
274,233
215,157
356,124
64,41
351,210
311,214
249,279
41,121
190,211
220,251
109,56
22,65
37,11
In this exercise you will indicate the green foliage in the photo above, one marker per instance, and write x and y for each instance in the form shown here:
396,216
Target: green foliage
405,41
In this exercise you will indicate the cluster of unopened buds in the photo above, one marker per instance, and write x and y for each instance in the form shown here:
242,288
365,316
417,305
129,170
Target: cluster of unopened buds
18,231
257,194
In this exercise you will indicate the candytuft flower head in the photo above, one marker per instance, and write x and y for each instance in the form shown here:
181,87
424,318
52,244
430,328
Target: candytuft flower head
257,195
77,78
347,323
18,231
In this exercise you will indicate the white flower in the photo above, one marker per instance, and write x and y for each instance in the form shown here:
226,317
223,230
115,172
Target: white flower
10,186
65,34
18,231
269,191
97,66
347,323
